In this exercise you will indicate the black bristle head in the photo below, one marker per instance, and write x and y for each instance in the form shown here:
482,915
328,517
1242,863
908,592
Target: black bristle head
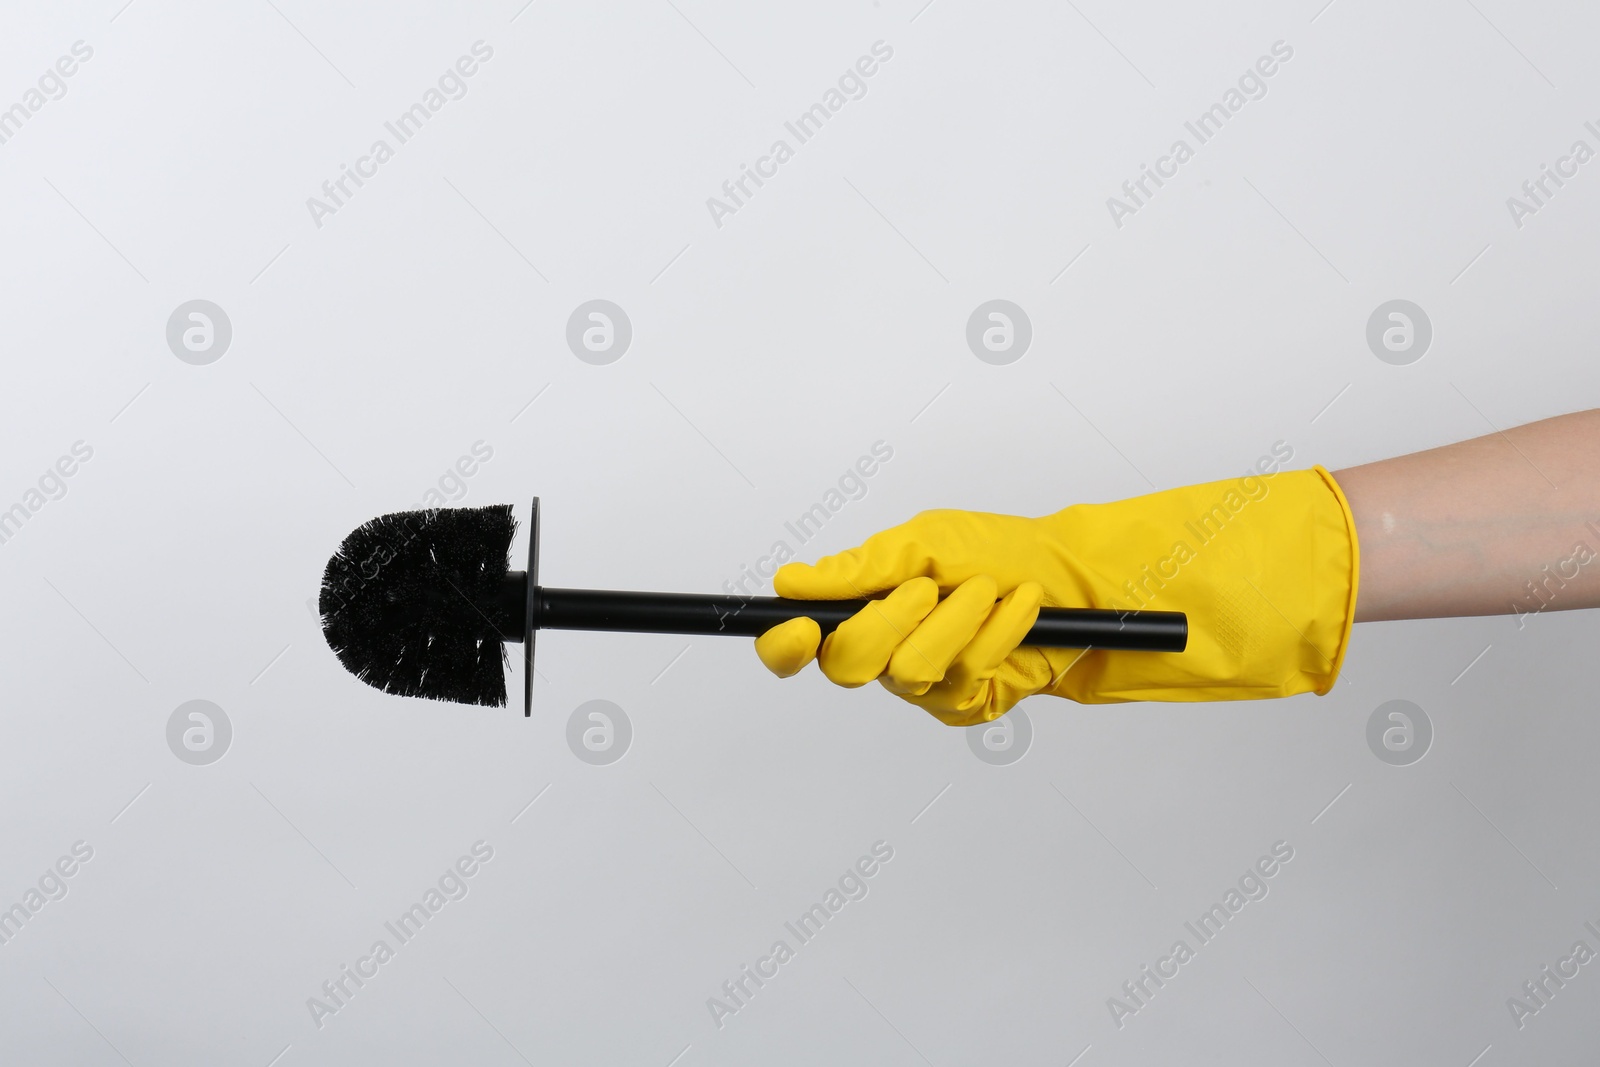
408,601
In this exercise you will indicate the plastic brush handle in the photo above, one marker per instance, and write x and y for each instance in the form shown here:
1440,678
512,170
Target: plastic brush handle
693,613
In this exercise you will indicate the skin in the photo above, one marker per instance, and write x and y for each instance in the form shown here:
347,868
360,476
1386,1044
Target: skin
1464,529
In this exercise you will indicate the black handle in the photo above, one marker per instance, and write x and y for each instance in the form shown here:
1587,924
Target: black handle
694,613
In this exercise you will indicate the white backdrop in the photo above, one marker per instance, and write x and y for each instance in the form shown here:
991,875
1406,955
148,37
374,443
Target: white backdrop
374,340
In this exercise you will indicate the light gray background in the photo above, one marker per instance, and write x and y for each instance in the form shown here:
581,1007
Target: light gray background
829,313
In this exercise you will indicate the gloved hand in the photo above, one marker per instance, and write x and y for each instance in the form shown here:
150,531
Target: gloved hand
1266,568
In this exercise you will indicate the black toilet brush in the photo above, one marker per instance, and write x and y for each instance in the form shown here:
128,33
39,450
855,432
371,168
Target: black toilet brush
420,603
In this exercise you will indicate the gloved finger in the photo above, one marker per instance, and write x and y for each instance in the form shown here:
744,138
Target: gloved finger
942,545
859,649
968,693
998,637
927,652
854,574
788,647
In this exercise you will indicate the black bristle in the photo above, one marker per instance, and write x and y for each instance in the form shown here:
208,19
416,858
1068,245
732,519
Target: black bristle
407,601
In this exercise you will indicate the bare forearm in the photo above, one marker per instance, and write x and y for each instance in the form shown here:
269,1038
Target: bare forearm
1495,525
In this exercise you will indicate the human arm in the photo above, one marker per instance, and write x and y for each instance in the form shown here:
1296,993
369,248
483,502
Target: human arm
1495,525
1272,570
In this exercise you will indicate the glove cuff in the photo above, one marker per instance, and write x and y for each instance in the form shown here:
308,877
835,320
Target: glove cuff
1341,560
1265,567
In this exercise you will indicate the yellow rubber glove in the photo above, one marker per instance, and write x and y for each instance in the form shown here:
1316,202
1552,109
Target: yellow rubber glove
1266,568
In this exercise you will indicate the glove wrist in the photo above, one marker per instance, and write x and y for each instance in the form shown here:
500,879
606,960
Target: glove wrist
1266,567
